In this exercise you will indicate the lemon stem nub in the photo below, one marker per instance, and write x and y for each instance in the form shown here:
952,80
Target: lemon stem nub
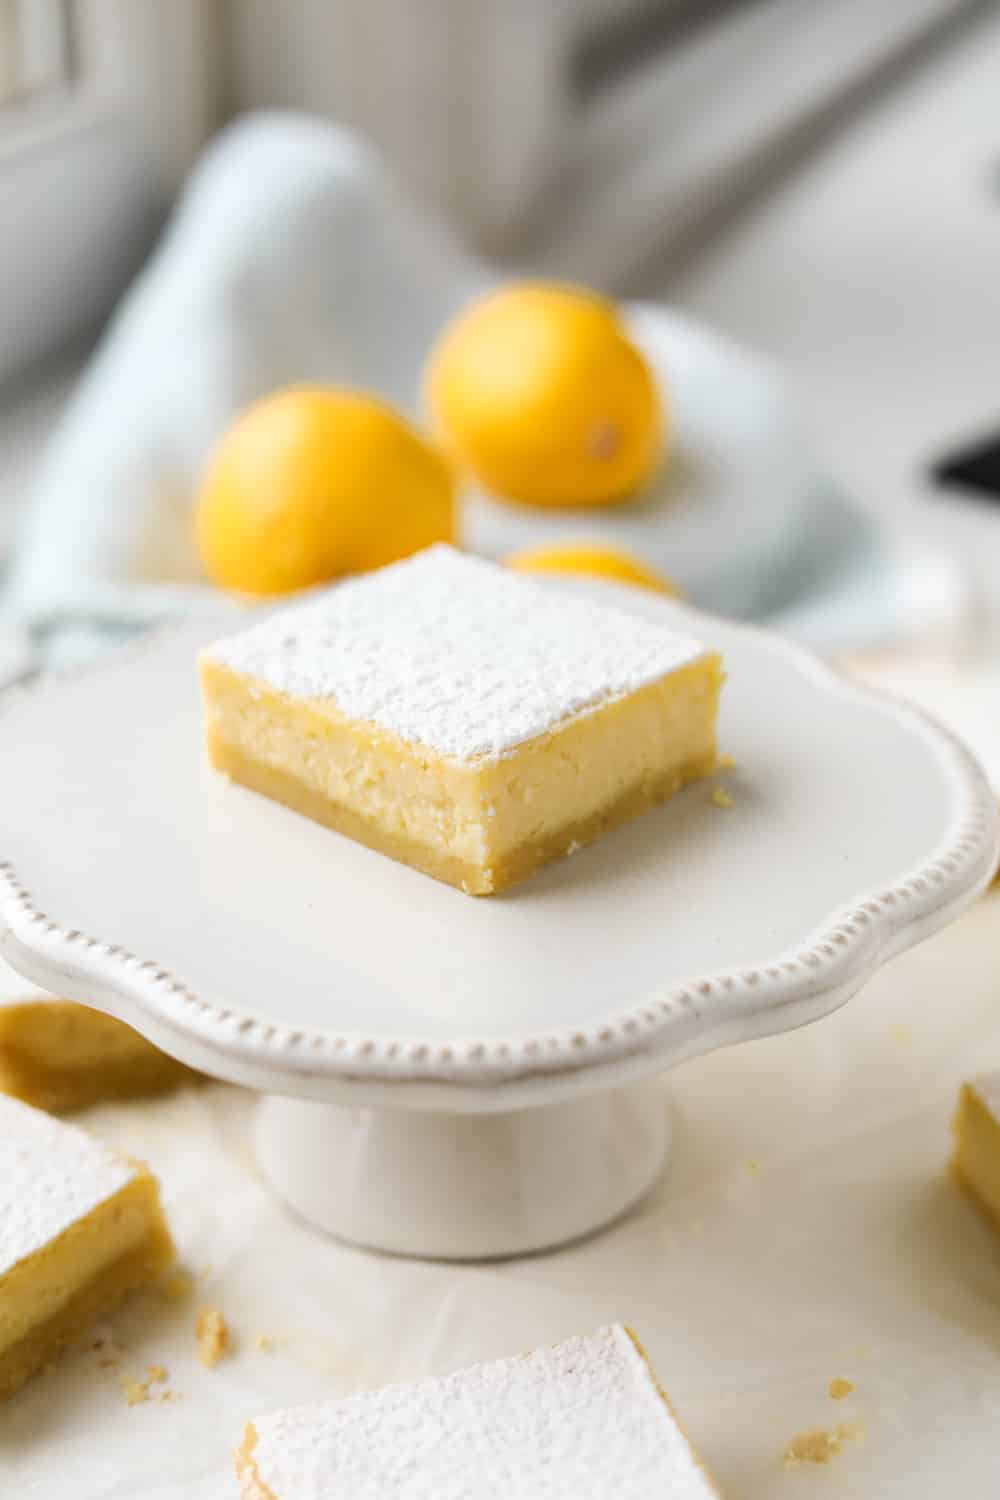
605,440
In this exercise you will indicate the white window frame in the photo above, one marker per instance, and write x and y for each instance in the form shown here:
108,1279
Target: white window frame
86,170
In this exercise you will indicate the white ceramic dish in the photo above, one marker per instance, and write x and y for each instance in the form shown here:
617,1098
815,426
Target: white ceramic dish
382,1011
730,516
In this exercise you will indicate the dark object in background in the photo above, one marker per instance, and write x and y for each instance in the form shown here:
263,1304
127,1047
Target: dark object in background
975,468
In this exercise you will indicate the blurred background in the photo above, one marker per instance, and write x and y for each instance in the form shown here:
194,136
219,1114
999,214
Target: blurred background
818,179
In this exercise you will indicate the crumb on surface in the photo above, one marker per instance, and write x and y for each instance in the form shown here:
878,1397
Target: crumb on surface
135,1391
752,1166
263,1343
721,797
725,763
901,1034
138,1391
817,1445
212,1334
839,1388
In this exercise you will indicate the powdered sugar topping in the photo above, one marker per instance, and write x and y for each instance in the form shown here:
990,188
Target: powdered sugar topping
455,654
581,1421
51,1175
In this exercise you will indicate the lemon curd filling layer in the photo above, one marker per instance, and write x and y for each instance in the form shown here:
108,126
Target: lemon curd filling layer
976,1159
463,721
79,1229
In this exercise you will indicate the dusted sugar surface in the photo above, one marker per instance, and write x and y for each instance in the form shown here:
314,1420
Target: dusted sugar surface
51,1175
455,654
582,1421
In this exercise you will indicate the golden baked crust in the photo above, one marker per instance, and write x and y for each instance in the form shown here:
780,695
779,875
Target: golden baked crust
975,1162
60,1056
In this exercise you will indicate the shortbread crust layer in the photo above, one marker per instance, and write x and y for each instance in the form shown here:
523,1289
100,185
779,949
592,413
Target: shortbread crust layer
975,1163
60,1056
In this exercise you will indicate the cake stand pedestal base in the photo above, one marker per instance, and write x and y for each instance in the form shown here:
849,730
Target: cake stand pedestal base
465,1186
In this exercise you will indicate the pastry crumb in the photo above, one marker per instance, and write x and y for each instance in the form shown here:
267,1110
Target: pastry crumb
574,847
752,1166
839,1388
901,1034
817,1445
138,1391
721,797
263,1343
212,1334
725,763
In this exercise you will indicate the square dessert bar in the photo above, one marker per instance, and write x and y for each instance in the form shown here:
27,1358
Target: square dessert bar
582,1421
79,1228
62,1056
463,719
976,1159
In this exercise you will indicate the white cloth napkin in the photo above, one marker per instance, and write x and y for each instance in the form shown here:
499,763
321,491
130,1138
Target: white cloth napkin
292,258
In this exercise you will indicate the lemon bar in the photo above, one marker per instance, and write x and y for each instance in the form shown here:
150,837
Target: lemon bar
79,1228
463,719
581,1421
976,1159
60,1056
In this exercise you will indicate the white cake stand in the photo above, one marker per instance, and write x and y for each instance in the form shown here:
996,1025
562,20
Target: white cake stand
452,1077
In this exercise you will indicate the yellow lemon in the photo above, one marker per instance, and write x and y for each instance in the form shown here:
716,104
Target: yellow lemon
314,482
593,560
545,399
